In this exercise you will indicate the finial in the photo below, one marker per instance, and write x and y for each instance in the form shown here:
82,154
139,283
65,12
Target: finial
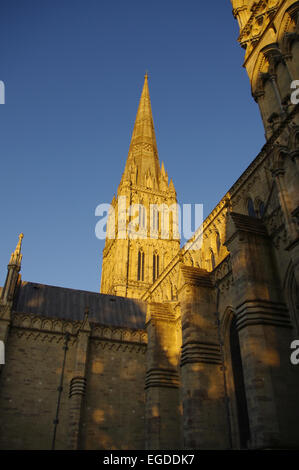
16,256
146,75
21,236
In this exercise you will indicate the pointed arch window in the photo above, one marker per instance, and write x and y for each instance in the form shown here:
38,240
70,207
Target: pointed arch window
213,263
261,206
142,216
140,268
156,266
218,242
155,215
250,208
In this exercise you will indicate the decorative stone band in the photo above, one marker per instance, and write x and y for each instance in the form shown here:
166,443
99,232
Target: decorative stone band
199,352
166,378
77,386
262,312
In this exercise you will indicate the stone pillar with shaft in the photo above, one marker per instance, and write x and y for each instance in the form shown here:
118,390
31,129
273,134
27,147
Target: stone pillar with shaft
78,384
205,424
162,378
264,330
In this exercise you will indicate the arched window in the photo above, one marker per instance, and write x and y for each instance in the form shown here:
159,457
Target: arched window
218,242
140,269
261,207
155,215
250,208
155,266
142,216
213,264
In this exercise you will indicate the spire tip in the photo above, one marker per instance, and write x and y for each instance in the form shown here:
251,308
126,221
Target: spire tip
16,256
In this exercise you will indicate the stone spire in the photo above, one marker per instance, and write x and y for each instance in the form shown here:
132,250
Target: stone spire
13,269
142,167
16,256
132,263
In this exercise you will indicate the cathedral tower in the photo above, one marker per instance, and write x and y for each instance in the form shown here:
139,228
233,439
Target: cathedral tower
269,34
142,229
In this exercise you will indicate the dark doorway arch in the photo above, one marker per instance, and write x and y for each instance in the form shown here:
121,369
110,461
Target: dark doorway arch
292,296
235,385
239,385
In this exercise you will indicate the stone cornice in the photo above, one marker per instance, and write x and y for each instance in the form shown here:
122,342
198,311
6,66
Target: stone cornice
122,335
119,346
58,328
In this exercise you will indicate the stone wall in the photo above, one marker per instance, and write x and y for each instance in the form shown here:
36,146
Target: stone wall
106,406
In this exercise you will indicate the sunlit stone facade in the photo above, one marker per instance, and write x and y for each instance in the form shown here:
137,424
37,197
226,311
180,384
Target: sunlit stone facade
197,354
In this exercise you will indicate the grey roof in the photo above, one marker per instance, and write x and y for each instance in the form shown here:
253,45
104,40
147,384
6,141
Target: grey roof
70,304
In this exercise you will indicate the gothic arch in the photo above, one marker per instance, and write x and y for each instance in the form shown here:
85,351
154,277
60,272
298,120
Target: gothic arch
279,156
156,265
292,296
286,25
140,265
218,241
249,207
288,29
238,413
294,137
259,207
296,141
212,259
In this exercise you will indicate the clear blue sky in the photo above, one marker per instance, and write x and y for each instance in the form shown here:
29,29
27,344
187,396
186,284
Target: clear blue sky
73,71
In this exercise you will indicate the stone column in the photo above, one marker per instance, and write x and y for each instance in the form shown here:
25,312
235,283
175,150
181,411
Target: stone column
162,378
265,335
78,384
203,395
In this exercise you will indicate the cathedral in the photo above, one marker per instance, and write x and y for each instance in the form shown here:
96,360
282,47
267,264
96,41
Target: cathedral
183,348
